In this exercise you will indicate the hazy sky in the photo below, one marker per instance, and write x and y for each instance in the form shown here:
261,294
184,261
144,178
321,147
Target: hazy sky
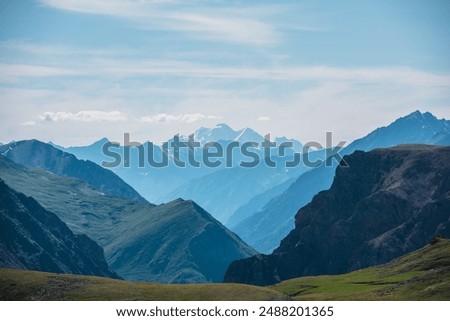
73,71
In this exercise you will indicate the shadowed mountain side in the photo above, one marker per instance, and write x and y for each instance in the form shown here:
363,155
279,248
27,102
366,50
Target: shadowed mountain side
388,202
33,238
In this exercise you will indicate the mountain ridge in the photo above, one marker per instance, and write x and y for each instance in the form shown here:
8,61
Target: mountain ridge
257,229
386,203
34,153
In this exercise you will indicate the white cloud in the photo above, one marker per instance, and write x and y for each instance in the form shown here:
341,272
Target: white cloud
83,116
180,118
263,118
29,123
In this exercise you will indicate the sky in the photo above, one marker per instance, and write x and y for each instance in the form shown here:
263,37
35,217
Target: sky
74,71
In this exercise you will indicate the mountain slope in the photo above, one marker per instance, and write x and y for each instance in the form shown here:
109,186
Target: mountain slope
33,153
265,228
167,243
183,244
224,191
257,202
33,238
386,203
421,275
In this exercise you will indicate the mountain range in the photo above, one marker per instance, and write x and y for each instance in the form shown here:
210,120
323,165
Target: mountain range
210,187
177,242
383,204
265,228
185,239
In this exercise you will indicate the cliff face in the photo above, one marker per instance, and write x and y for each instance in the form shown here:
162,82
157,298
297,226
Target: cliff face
388,202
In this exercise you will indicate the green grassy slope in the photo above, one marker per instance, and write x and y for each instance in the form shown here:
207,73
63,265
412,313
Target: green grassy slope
421,275
31,285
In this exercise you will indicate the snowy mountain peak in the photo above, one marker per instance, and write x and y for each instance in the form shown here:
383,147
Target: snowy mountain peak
216,133
248,135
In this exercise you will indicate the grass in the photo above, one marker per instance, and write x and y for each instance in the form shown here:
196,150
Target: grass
32,285
421,275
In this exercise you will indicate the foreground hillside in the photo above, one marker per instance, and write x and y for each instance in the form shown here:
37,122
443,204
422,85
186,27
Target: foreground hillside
421,275
31,285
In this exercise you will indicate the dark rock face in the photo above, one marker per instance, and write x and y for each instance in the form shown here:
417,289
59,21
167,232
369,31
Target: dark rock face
387,203
33,153
33,238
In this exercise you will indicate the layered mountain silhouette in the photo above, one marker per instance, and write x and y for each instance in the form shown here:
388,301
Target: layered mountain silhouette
211,187
36,239
265,228
177,242
225,190
33,153
386,203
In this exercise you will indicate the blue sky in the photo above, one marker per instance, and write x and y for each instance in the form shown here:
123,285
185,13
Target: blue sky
73,71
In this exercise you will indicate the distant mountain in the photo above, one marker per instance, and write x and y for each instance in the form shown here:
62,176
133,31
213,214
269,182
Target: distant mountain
91,152
223,192
35,239
256,203
177,242
415,128
265,228
220,132
386,203
33,153
205,185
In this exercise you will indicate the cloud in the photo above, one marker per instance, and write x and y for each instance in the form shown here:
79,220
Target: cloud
83,116
263,118
180,118
223,24
29,123
104,64
12,72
